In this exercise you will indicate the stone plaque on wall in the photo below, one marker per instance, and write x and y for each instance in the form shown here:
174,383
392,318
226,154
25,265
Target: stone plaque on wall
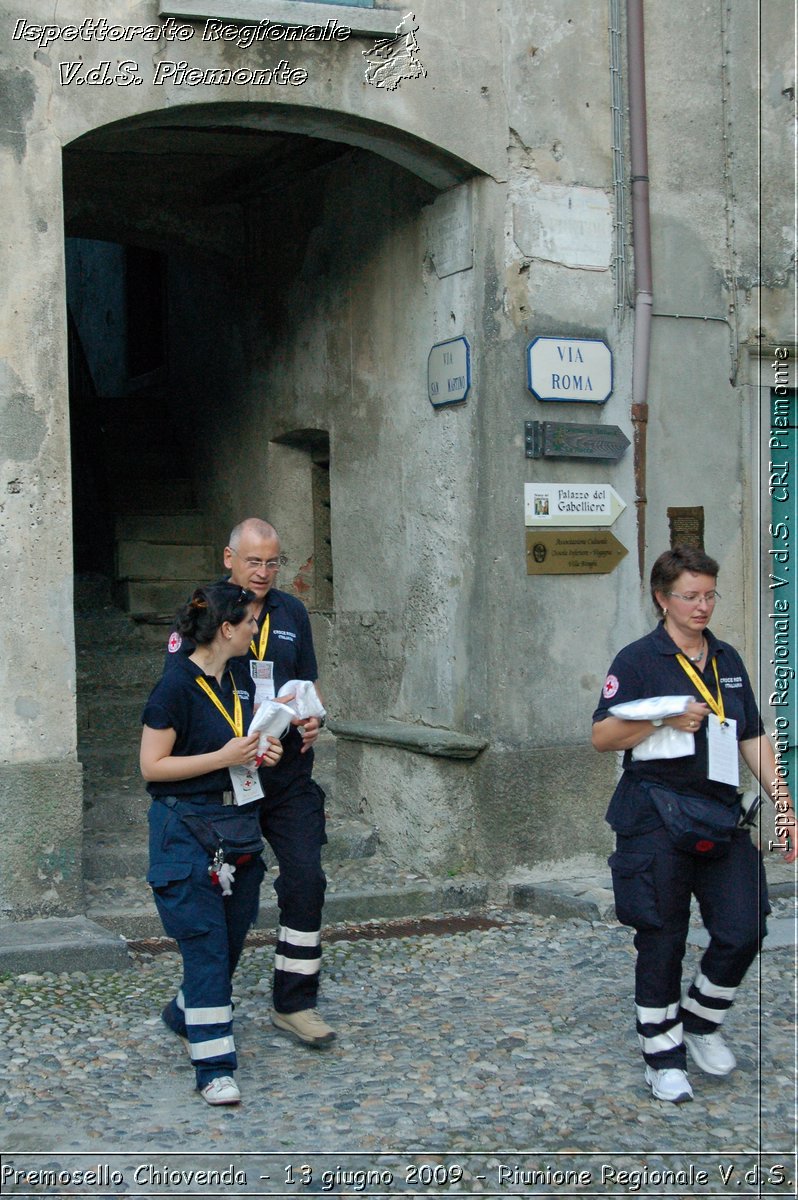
568,225
687,526
449,233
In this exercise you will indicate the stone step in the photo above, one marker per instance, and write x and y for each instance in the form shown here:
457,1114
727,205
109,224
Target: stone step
142,560
113,855
119,811
92,594
117,671
356,891
109,775
111,768
159,495
110,754
154,600
137,463
166,527
101,721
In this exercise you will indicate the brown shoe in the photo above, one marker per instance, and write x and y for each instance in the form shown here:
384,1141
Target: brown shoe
306,1025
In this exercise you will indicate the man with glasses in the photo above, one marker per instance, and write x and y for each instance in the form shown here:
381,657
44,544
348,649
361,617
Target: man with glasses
292,809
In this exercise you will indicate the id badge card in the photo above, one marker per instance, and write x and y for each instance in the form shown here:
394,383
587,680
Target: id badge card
246,784
723,762
263,675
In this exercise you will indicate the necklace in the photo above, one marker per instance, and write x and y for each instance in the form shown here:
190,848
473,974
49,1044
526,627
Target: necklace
693,658
697,657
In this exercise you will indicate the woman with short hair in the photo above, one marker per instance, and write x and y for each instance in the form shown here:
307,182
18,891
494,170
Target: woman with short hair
677,815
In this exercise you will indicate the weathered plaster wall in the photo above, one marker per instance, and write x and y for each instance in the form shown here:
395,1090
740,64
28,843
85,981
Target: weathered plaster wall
762,63
40,792
315,306
458,106
335,337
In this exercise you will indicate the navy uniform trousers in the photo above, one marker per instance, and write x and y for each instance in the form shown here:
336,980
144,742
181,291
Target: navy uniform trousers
653,883
292,821
210,930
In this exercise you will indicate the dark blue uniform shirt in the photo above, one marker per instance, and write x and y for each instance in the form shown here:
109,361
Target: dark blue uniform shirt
648,667
178,702
290,648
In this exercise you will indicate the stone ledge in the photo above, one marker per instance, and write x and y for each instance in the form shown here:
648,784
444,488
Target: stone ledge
420,739
587,900
60,944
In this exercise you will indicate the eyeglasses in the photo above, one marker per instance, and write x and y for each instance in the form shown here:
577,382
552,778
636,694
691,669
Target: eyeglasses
697,597
266,564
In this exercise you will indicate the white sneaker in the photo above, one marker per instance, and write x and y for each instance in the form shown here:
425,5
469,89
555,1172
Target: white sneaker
710,1052
669,1084
222,1090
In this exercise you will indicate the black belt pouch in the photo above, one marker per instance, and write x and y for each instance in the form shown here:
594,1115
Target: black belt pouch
698,825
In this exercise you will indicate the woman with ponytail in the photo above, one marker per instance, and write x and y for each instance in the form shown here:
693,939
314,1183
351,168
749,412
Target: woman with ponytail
205,841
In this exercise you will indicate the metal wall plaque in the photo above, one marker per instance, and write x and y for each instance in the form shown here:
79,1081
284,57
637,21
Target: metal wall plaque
687,526
556,439
572,552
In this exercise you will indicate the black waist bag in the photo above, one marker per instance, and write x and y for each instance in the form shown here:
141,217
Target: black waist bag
698,825
236,833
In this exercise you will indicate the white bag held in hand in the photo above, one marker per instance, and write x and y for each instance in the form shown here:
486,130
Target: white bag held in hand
306,702
664,742
271,720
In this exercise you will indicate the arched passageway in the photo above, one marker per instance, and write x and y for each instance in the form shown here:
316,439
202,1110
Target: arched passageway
236,277
223,203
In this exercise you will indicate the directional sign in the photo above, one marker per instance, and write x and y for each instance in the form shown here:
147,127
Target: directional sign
449,371
572,552
573,369
575,504
555,439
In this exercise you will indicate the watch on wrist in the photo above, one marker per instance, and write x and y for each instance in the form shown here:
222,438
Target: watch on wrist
657,722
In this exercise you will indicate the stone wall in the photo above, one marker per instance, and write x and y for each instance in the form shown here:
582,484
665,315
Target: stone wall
477,200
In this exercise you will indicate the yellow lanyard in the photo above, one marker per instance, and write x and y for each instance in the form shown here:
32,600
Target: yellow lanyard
260,650
236,722
715,705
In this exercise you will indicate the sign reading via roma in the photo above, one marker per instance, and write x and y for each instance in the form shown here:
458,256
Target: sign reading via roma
573,369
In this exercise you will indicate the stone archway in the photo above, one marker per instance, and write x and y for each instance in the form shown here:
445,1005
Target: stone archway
186,183
260,225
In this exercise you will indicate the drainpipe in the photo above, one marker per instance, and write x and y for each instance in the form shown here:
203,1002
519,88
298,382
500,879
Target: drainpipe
641,244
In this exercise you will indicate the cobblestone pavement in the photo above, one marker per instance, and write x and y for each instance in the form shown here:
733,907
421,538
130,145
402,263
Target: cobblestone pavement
482,1054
